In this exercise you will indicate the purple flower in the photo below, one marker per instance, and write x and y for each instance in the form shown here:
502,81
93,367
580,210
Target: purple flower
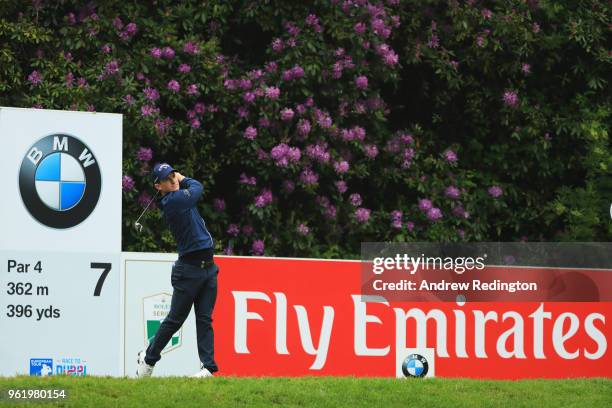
510,98
127,183
434,214
174,86
184,68
131,28
258,247
410,226
249,97
387,54
151,94
288,186
244,179
360,28
148,110
304,127
287,114
219,204
486,13
362,214
156,53
192,89
195,123
144,154
330,212
480,41
294,154
245,84
434,41
323,119
355,199
129,99
264,198
263,122
297,71
308,177
34,78
255,74
277,45
495,191
230,84
228,251
168,52
341,186
272,92
144,199
233,230
191,48
69,80
250,133
526,69
355,133
312,19
361,82
162,125
200,108
341,167
247,229
396,219
318,152
459,211
371,151
452,192
425,204
359,133
450,156
283,154
243,112
303,229
271,66
117,23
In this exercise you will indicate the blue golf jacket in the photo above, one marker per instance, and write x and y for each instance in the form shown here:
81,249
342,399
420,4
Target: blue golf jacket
181,214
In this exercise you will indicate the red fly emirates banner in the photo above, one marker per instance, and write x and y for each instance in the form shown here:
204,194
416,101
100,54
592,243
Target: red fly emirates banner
295,317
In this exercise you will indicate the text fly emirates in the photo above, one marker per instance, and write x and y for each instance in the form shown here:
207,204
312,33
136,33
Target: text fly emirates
470,329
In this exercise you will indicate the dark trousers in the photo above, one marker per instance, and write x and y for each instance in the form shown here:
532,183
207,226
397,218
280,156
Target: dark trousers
192,286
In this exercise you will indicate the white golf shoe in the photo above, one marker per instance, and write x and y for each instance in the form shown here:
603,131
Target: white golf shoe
143,370
203,373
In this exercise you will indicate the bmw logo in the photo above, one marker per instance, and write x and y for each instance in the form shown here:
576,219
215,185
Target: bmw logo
415,365
60,181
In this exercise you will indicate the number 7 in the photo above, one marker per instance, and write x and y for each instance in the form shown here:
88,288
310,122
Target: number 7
107,268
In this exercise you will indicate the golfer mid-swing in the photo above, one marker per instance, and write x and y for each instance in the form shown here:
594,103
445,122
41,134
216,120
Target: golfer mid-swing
194,274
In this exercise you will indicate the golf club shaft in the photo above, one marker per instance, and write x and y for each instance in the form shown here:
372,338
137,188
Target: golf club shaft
147,207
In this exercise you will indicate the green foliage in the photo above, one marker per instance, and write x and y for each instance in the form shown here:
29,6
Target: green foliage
518,93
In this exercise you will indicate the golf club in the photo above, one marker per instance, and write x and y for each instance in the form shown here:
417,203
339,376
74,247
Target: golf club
138,225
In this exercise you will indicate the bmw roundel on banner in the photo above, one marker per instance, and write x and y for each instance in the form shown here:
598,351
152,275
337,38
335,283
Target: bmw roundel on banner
60,181
415,365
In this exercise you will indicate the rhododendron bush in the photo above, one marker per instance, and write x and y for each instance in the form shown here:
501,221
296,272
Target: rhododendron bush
318,125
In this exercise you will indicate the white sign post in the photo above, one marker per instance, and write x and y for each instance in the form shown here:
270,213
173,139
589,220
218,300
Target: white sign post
60,243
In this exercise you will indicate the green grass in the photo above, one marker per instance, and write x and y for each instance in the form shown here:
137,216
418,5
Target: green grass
314,392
